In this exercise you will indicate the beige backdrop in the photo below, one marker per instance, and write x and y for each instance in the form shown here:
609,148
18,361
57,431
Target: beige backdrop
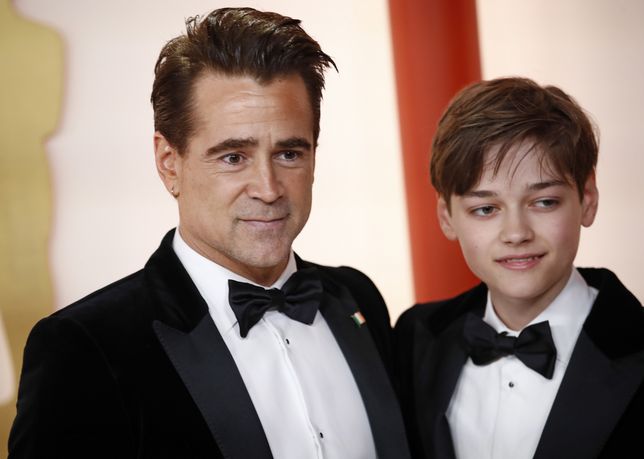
593,49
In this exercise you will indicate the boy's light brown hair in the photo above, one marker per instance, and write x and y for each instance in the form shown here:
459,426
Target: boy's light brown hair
502,113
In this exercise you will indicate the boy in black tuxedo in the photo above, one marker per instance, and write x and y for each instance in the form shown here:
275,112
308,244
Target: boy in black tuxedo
541,359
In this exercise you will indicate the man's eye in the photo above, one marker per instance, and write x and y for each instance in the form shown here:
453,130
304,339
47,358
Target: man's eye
232,158
289,155
483,211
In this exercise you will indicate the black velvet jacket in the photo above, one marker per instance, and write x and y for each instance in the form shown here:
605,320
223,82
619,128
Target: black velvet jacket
139,370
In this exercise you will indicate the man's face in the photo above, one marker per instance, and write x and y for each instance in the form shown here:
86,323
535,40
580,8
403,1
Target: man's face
244,184
519,230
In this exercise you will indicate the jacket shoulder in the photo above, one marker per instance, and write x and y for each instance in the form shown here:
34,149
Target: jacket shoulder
109,301
358,283
437,315
616,312
368,300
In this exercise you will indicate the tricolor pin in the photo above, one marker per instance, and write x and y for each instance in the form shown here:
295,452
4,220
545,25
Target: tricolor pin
358,319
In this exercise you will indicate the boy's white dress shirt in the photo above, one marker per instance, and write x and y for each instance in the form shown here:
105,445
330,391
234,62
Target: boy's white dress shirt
498,411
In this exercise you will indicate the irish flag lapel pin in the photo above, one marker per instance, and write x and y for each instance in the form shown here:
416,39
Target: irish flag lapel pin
358,319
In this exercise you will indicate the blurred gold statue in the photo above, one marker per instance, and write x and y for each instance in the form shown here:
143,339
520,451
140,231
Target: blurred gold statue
30,95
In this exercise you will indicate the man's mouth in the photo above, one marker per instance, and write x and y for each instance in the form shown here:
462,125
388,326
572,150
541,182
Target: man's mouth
263,222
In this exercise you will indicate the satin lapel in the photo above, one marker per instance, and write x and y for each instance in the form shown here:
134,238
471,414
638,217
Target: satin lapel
209,373
362,356
439,356
439,365
593,395
197,351
605,370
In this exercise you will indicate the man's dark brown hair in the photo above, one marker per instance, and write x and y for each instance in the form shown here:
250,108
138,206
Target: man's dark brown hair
232,42
503,113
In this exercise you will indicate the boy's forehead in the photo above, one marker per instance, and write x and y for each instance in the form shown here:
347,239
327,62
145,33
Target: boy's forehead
519,161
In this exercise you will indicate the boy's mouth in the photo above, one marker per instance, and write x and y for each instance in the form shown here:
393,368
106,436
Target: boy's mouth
522,261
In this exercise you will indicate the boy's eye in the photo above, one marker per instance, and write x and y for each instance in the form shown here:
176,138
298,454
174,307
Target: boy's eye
546,203
483,211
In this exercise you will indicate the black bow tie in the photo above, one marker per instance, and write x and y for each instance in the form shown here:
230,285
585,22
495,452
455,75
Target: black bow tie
299,299
534,345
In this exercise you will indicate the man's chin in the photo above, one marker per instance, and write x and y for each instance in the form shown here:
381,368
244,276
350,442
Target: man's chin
268,262
273,256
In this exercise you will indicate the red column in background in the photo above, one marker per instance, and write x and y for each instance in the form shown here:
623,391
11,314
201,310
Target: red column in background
435,45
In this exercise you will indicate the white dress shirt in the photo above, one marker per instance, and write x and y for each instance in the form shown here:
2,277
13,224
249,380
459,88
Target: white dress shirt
296,375
498,411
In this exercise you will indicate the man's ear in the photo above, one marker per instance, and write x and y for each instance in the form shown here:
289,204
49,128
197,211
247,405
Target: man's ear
589,201
167,161
445,219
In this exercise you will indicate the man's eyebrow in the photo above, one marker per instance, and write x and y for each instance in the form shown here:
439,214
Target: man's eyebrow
237,143
294,142
232,144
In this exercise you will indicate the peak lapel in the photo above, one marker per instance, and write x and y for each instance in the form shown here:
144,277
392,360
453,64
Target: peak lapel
200,356
437,372
209,373
370,375
604,372
593,395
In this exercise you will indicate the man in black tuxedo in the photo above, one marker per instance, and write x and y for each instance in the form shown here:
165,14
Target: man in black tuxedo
541,359
226,344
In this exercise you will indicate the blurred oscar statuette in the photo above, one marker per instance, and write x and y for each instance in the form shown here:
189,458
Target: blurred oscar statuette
30,91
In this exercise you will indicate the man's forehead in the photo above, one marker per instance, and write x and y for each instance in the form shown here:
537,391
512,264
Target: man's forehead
235,106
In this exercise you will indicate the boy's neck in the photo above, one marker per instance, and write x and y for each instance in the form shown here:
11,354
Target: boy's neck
517,316
517,313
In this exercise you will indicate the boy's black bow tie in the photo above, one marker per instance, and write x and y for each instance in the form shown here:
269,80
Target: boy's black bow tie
299,299
534,345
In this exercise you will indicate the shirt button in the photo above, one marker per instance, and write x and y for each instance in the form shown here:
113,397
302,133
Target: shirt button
321,435
510,384
287,341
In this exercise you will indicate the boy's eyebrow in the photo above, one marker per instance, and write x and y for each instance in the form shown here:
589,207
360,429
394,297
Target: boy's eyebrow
543,185
479,194
531,187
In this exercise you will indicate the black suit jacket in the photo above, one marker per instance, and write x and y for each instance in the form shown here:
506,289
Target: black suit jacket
599,409
139,370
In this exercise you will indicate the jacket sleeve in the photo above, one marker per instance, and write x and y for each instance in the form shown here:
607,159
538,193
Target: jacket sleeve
69,404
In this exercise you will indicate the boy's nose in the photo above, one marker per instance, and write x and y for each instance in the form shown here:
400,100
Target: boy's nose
264,183
516,228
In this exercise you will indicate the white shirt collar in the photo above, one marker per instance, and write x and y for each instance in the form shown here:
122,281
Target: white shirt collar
211,280
566,315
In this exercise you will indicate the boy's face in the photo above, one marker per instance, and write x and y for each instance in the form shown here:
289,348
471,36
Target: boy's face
519,230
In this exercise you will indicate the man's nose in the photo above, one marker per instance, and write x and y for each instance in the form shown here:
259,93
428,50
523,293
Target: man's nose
265,183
